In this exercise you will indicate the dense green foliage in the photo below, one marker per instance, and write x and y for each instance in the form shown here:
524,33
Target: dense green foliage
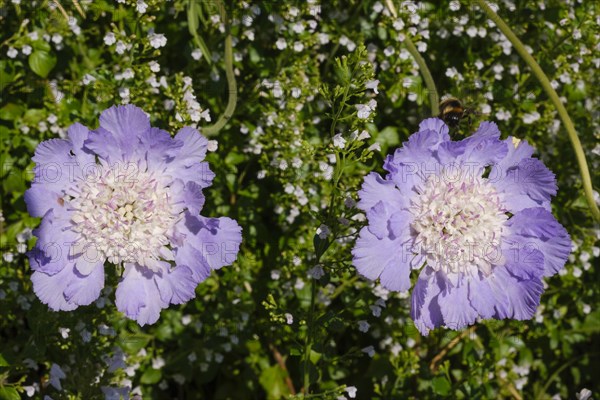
263,327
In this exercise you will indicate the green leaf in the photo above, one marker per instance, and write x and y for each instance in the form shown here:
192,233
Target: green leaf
9,393
151,376
134,343
7,74
42,62
11,111
441,385
272,380
3,362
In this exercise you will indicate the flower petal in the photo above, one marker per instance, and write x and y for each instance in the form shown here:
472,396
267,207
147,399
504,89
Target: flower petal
425,310
529,184
138,296
537,228
376,189
217,239
383,258
84,289
126,124
455,306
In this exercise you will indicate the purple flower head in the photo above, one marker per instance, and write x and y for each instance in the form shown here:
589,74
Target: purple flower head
128,194
473,215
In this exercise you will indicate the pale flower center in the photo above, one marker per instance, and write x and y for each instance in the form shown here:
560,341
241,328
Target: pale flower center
459,222
125,217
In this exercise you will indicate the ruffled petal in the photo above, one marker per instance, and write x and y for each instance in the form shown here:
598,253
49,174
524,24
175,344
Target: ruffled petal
483,148
157,148
513,157
217,239
138,296
78,134
529,184
50,288
483,297
436,125
40,200
375,189
177,286
455,306
384,258
67,289
412,166
126,124
194,146
188,195
56,168
84,289
425,310
536,228
523,295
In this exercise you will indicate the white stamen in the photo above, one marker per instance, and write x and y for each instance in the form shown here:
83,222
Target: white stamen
459,224
126,218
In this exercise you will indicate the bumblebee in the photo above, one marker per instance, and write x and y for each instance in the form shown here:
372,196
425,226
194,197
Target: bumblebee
452,111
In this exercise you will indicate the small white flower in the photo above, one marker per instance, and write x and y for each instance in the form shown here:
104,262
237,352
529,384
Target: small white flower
128,74
587,309
374,147
323,231
157,40
26,49
64,332
121,47
124,93
154,66
29,390
472,31
585,394
373,85
197,54
289,318
370,350
158,363
530,118
376,310
316,272
323,38
339,141
281,44
141,7
455,5
57,39
56,374
298,47
12,52
365,110
363,326
87,79
213,145
351,390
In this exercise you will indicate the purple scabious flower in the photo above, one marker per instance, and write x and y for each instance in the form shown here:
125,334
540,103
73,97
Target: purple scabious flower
130,195
473,215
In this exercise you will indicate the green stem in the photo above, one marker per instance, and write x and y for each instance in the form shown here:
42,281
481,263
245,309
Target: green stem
308,343
562,111
214,129
427,77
